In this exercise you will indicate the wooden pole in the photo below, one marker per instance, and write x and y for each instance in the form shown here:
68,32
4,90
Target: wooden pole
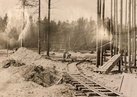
134,61
23,9
111,30
39,26
103,18
103,12
121,25
129,35
132,27
97,44
97,33
23,38
116,26
134,30
100,10
48,34
120,32
126,14
125,51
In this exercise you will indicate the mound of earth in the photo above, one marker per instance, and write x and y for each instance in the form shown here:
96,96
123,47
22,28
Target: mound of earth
26,74
30,57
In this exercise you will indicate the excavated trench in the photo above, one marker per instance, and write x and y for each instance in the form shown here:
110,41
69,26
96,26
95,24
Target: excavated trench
43,76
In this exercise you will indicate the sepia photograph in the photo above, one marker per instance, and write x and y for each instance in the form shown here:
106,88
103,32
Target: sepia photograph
68,48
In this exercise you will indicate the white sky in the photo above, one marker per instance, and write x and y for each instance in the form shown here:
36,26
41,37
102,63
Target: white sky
62,9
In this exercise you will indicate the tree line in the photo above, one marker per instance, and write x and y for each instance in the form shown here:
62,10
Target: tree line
74,35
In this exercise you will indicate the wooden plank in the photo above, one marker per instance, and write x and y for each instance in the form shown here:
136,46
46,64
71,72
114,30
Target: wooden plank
108,66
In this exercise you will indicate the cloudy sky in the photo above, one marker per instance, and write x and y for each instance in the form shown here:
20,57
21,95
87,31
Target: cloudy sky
61,9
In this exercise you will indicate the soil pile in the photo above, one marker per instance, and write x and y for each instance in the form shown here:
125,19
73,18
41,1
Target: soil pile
42,76
26,74
31,81
30,57
25,55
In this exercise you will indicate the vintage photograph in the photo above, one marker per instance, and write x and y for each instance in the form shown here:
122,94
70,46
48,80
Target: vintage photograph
68,48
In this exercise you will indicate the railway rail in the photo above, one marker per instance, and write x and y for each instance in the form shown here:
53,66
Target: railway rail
89,88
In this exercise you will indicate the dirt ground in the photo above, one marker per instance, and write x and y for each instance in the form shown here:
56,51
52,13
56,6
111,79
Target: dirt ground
13,81
112,81
25,81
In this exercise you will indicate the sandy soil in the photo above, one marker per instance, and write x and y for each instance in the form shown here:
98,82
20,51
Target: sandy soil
112,81
74,55
13,84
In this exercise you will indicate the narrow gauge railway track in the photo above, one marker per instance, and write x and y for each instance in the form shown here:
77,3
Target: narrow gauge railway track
88,87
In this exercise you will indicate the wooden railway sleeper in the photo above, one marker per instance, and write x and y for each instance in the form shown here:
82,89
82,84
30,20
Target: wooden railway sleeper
90,88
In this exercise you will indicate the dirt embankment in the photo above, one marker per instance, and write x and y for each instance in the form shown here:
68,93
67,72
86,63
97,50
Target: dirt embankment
30,57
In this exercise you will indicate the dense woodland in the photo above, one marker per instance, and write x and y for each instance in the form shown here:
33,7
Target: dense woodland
76,35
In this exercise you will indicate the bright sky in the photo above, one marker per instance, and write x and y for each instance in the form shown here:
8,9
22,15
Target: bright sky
62,9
